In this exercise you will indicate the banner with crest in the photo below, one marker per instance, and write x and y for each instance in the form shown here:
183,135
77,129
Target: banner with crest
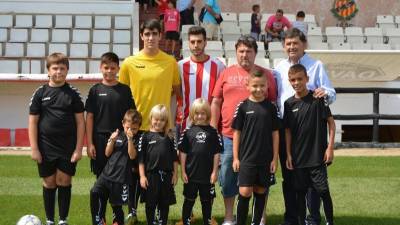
344,9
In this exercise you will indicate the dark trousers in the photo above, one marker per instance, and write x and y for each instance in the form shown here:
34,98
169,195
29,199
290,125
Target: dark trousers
313,205
187,16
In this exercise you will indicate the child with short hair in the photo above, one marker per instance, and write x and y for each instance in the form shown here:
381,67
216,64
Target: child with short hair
255,147
56,130
158,165
200,146
116,178
306,121
299,23
171,26
255,22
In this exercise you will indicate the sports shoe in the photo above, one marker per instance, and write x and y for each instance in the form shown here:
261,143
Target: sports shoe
227,222
131,219
62,222
49,222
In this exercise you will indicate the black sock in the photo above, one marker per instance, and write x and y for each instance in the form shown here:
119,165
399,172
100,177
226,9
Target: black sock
163,215
258,207
118,214
150,215
49,199
64,200
97,207
206,210
242,210
187,211
301,206
328,206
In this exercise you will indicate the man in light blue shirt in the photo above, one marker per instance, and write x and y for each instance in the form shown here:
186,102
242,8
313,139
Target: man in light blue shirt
295,43
209,20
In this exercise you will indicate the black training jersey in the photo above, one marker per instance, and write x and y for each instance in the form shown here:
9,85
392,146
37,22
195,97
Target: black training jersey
108,105
135,161
307,119
118,168
157,151
200,143
256,121
56,107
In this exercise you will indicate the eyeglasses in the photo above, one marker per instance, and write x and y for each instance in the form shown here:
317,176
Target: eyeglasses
247,38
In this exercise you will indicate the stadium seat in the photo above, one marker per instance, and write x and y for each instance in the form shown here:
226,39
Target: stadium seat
226,26
5,137
122,50
393,35
60,36
80,36
62,48
99,49
102,22
230,50
36,50
79,50
385,21
1,49
314,34
214,48
94,66
31,66
397,20
14,50
3,35
373,35
39,35
83,22
310,19
229,17
275,50
121,36
396,47
290,17
361,46
185,44
77,67
63,21
263,62
21,137
23,21
232,34
340,46
6,21
8,66
318,46
260,46
381,46
18,35
245,27
101,36
122,22
244,17
334,34
354,35
43,21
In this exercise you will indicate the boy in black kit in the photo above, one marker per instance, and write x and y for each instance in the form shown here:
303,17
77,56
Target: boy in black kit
158,165
255,147
56,130
306,119
116,177
199,147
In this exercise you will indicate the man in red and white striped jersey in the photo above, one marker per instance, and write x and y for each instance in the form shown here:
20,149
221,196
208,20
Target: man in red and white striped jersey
199,72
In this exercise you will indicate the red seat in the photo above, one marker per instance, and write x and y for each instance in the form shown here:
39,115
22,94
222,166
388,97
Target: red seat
21,137
5,137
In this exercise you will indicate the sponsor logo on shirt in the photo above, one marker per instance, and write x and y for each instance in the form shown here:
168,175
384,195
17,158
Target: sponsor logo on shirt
140,66
201,137
119,141
191,74
103,94
152,142
250,112
46,98
295,110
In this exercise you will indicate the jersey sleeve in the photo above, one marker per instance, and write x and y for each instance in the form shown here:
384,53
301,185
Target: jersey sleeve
286,116
131,101
238,117
90,101
35,105
124,73
77,104
274,119
218,143
175,73
326,111
183,143
173,149
142,148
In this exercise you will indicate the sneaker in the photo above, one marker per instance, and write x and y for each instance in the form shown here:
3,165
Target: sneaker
49,222
131,219
62,222
227,222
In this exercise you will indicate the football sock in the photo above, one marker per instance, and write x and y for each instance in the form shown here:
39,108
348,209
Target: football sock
49,199
328,206
64,200
96,206
150,215
242,210
301,206
134,193
187,211
163,214
206,210
258,207
118,215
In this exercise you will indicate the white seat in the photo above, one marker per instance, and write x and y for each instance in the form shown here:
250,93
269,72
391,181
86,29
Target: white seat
3,35
354,34
94,66
244,17
381,46
276,50
318,45
39,35
77,67
373,35
14,50
230,50
290,17
23,21
6,21
361,46
122,36
61,48
185,44
310,19
8,66
396,47
394,35
232,34
31,66
122,50
214,45
101,36
226,26
1,49
340,46
83,22
245,27
63,21
36,50
43,21
18,35
334,34
263,62
102,22
385,21
260,46
79,50
80,36
122,22
60,36
314,34
99,49
229,16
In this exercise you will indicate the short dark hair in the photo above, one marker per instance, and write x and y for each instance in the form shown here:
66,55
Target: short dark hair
254,7
109,57
134,116
301,14
248,41
195,30
279,11
295,32
297,68
150,24
57,58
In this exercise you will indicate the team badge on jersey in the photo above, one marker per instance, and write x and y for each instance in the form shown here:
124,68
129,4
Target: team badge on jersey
201,137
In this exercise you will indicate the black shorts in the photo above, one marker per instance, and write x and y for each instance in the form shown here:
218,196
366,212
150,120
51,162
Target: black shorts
160,190
316,177
100,142
48,168
172,35
250,176
53,147
117,193
206,191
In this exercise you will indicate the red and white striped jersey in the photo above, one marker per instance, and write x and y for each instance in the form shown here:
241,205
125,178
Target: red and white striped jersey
198,80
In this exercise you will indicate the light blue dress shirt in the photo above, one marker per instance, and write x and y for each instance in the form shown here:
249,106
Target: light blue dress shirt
208,18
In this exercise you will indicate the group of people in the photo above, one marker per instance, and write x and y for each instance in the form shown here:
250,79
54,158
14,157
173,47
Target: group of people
237,123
